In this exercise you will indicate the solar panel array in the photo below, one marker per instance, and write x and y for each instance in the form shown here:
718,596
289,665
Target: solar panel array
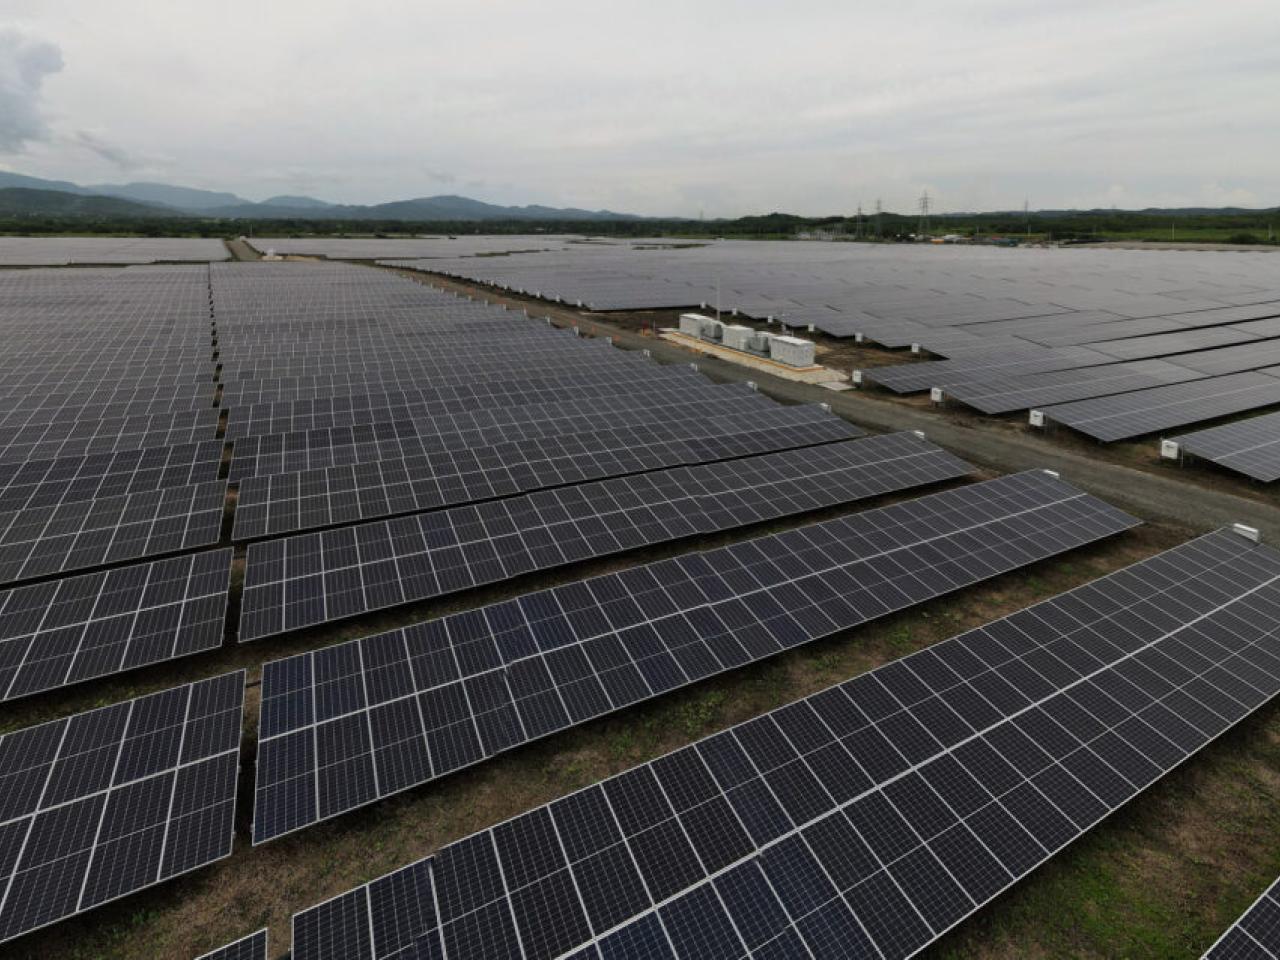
102,804
61,632
1256,935
119,386
315,578
63,251
282,503
370,248
432,413
499,446
867,819
39,483
39,541
1251,446
108,443
350,724
1013,323
1004,395
893,294
1163,408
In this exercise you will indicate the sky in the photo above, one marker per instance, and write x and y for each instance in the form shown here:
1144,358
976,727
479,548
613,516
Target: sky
658,108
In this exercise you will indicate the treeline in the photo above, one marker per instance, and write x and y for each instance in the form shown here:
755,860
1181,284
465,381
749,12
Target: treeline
1229,226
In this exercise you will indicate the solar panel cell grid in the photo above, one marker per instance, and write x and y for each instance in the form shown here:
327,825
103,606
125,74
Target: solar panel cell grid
286,416
313,578
418,703
77,438
104,803
41,483
66,631
921,797
296,501
1251,446
88,533
1162,408
402,434
1003,395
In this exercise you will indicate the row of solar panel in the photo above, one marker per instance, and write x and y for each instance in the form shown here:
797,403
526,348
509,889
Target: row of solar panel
871,817
316,578
353,723
104,803
283,503
65,631
1183,629
400,434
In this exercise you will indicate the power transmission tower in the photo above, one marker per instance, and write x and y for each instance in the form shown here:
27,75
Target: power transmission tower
879,232
858,224
1026,216
923,229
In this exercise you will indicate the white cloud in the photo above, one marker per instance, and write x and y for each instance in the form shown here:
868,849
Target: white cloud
24,64
668,107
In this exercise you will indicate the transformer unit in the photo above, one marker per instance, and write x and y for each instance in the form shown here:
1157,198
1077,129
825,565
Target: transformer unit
691,324
792,351
737,336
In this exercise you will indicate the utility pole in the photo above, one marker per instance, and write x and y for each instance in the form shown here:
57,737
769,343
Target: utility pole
880,233
923,229
857,229
1026,216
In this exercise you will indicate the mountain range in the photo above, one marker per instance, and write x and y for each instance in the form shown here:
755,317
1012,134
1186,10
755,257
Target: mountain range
22,195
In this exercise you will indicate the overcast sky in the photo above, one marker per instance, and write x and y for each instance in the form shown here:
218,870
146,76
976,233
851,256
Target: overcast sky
655,107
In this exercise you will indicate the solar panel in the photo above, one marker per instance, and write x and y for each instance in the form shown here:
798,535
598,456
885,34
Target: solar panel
516,382
252,947
999,361
104,803
1256,935
66,631
678,384
871,817
1177,341
283,503
349,724
893,296
42,483
1162,408
407,435
315,578
1245,356
66,250
1251,447
1004,395
89,533
75,438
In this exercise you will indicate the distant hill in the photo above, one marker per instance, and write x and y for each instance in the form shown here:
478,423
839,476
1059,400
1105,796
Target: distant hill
181,198
162,198
452,208
24,202
296,203
35,183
